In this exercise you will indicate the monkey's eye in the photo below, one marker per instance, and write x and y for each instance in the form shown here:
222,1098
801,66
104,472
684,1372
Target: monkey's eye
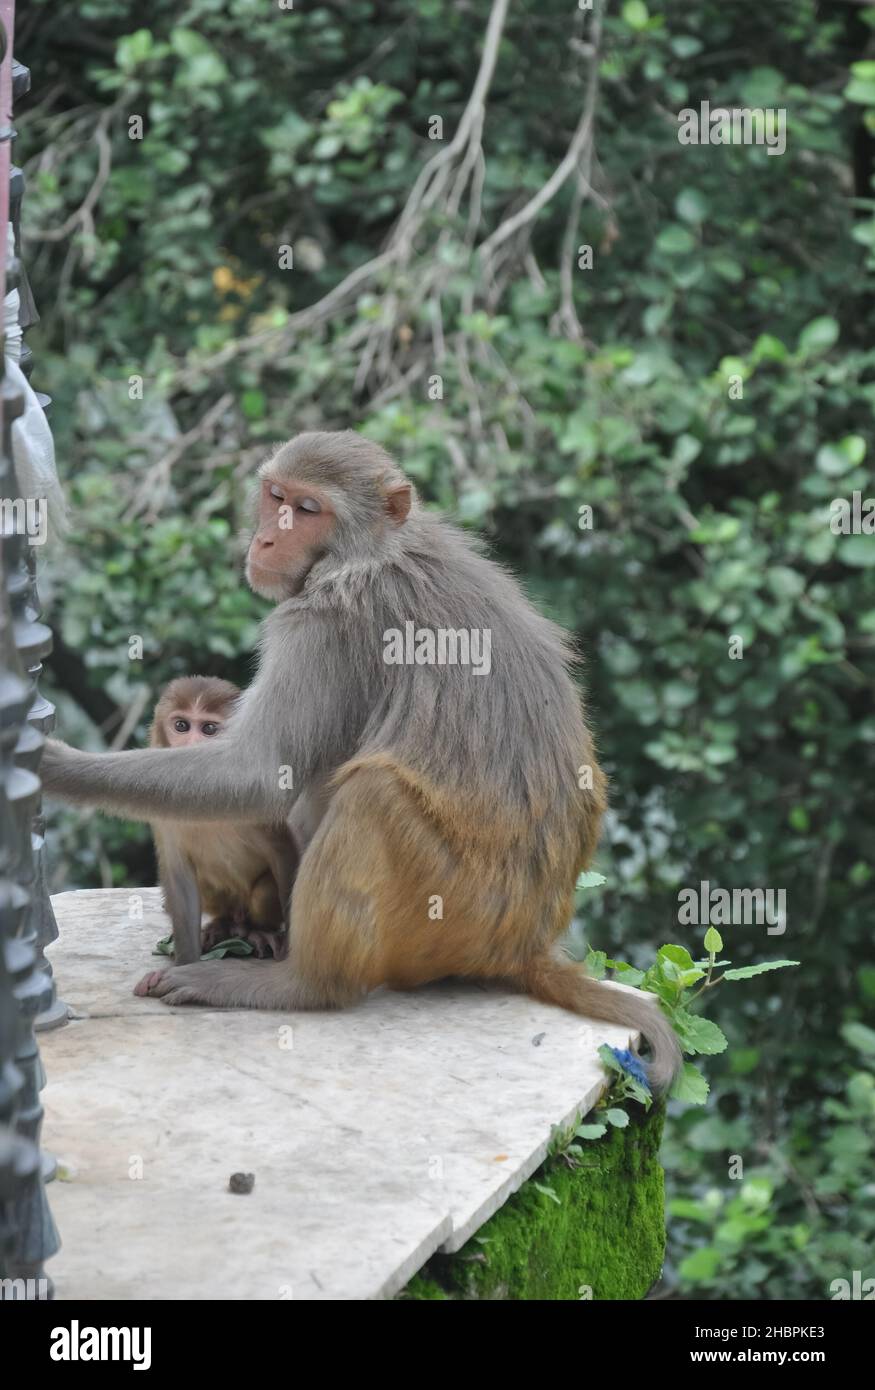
276,492
181,726
209,729
309,504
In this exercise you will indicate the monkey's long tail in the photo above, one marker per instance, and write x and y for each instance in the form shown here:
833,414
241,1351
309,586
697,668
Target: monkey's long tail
557,981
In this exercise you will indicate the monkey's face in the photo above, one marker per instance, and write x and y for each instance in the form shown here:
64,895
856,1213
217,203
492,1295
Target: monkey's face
186,726
295,520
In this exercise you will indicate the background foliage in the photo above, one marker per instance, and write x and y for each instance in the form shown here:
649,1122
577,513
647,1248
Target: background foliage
159,258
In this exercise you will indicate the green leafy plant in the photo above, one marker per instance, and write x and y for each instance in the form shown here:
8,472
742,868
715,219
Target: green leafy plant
678,981
628,1082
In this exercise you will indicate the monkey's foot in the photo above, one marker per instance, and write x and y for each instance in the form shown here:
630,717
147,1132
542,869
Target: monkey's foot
229,984
266,944
175,985
145,985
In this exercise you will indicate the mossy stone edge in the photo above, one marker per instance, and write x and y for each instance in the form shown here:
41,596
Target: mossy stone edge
606,1233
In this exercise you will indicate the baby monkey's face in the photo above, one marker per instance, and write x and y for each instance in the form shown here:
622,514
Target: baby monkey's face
183,727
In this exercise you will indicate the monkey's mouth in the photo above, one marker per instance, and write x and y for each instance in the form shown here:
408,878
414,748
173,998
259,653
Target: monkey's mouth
271,583
268,583
278,584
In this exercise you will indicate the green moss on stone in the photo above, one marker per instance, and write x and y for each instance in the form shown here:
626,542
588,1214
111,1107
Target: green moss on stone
607,1232
421,1287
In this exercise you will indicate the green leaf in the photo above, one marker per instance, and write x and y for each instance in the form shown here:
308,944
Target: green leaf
628,974
713,941
835,459
688,1210
203,67
636,14
685,46
699,1035
819,335
768,348
728,269
590,880
616,1117
858,552
133,49
656,316
547,1192
596,964
253,404
593,1131
860,91
609,1060
691,206
747,972
207,70
188,43
580,437
667,969
675,240
678,954
686,448
690,1086
690,977
785,582
701,1266
860,1037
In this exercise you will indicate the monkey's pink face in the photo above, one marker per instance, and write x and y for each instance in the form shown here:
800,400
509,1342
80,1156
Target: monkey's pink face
187,726
294,522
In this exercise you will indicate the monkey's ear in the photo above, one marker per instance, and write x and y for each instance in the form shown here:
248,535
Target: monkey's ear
398,501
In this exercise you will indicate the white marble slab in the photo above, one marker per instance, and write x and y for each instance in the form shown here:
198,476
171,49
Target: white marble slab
377,1135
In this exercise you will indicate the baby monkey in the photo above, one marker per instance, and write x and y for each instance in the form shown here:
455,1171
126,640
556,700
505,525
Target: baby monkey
240,874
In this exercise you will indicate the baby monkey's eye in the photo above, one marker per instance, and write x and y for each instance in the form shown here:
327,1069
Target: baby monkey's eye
209,729
309,504
276,492
181,726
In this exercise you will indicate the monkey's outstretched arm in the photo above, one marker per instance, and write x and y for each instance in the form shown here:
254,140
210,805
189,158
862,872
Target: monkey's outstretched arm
198,783
274,744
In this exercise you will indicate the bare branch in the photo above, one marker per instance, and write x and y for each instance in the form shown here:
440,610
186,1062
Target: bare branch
579,141
428,187
157,480
422,197
83,216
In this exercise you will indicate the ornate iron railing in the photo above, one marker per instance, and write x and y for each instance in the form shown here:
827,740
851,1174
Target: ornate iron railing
27,1233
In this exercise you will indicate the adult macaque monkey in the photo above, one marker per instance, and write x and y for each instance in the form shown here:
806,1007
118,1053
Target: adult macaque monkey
439,806
240,874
